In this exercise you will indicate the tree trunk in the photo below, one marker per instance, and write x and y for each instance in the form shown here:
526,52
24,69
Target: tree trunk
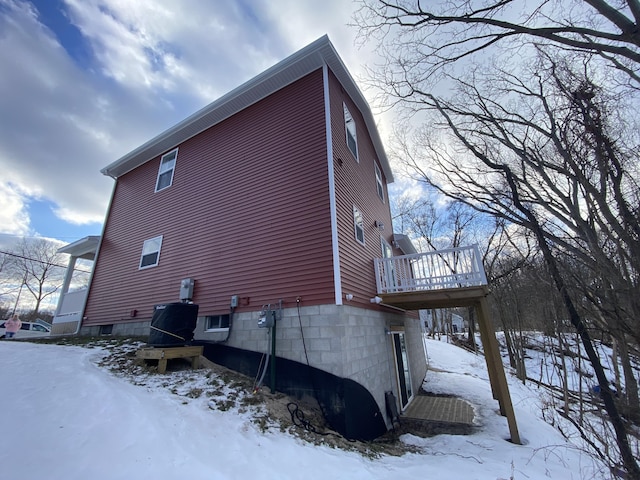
615,355
631,385
472,329
563,373
508,339
630,463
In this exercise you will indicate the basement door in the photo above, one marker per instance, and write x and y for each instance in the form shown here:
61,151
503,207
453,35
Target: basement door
403,375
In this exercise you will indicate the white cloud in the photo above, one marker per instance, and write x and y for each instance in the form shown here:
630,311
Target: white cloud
45,117
150,64
299,23
14,217
123,43
205,48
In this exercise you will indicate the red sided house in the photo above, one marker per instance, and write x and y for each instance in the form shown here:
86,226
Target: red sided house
269,202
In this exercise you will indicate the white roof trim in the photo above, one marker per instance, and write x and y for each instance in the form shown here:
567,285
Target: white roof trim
404,243
292,68
84,248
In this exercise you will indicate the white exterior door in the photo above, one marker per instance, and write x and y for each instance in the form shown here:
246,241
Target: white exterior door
403,374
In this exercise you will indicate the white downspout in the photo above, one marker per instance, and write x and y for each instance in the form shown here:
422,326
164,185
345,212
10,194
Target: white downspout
332,188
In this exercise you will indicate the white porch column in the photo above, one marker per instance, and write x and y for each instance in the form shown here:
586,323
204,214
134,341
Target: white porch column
67,281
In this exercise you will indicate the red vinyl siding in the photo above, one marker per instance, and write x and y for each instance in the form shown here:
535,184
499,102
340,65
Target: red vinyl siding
247,214
355,184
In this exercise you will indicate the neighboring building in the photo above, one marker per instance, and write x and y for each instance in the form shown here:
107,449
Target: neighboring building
442,320
272,198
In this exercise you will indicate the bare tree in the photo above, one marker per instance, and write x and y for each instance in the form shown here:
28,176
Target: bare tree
554,179
11,282
416,218
550,146
509,278
40,266
426,39
450,225
5,276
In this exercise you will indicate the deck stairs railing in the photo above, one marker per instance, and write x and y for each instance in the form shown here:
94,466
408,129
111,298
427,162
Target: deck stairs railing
440,269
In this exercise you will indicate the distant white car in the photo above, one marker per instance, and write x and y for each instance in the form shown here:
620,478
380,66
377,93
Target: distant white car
29,330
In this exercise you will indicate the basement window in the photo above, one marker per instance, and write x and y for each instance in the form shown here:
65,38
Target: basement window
151,252
214,323
106,329
165,172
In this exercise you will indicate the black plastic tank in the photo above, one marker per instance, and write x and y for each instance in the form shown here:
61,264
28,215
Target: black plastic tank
172,324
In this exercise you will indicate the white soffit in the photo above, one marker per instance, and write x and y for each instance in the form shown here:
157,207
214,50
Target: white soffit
84,248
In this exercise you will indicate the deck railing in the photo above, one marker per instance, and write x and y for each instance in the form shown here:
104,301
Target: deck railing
450,268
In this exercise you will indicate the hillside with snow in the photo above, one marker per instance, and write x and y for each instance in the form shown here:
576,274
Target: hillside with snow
74,412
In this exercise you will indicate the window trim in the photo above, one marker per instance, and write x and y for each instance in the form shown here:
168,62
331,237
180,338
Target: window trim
356,227
143,254
379,183
350,123
172,169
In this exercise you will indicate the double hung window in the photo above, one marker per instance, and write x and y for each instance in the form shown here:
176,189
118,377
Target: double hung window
151,252
350,128
165,172
358,223
379,185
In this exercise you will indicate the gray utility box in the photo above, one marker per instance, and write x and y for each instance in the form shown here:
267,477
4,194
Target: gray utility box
186,289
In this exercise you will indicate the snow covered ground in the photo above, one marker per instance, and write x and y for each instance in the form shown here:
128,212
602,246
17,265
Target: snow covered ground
66,417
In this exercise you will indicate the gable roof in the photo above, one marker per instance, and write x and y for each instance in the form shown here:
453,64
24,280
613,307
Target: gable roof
292,68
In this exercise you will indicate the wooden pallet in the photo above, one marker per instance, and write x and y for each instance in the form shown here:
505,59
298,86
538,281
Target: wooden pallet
167,353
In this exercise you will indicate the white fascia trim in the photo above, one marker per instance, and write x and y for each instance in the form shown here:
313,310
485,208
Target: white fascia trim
337,282
96,257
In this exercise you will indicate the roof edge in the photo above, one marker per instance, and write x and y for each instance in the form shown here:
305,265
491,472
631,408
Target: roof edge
292,68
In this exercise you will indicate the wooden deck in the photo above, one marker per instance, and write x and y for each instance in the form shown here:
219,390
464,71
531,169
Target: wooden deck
442,298
465,296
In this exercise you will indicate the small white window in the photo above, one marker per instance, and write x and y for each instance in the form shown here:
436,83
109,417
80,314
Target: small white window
358,223
151,252
379,184
216,322
165,173
350,128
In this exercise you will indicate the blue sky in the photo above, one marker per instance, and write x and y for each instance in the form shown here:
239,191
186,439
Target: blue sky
85,81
